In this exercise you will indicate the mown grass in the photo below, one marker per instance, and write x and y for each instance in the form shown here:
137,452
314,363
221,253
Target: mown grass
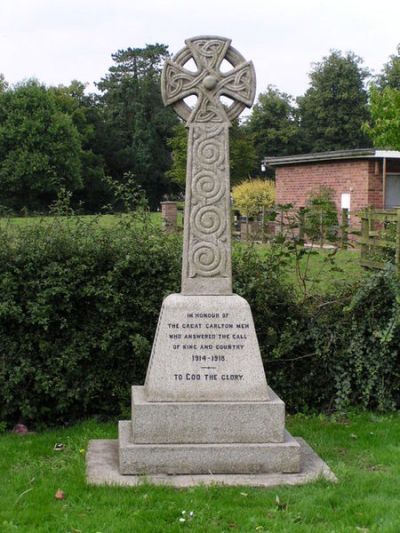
363,450
317,272
320,271
103,220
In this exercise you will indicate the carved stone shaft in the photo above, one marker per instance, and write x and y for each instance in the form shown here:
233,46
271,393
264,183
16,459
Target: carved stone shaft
207,238
206,254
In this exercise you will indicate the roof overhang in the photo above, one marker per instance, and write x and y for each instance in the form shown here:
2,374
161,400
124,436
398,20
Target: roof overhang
316,157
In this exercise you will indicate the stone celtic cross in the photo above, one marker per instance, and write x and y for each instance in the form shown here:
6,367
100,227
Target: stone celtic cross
206,265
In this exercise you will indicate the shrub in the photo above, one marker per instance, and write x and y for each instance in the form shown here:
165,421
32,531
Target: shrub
78,309
252,196
321,221
79,305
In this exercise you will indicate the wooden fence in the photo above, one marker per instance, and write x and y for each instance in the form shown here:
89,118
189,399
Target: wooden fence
295,224
380,238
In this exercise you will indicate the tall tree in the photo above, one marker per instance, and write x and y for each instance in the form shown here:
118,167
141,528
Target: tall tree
334,108
39,147
384,103
3,83
390,75
243,157
137,124
384,127
86,115
274,125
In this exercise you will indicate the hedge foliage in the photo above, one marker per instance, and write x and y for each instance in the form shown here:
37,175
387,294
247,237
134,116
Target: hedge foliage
79,305
78,308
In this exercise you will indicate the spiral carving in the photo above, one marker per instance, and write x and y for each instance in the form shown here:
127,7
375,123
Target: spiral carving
208,220
205,184
208,205
207,258
211,152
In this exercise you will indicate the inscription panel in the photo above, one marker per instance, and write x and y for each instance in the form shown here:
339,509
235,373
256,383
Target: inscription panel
207,344
212,350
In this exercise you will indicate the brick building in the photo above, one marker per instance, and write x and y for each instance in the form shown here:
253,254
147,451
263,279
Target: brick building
358,178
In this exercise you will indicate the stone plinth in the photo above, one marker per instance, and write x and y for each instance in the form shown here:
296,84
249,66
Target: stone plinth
218,422
205,406
235,458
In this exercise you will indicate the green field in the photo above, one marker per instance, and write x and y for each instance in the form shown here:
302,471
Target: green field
316,272
102,220
363,451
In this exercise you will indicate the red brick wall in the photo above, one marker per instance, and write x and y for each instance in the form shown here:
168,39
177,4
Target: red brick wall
375,184
361,178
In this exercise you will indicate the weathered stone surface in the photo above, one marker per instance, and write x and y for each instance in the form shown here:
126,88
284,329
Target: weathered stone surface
239,458
205,349
205,413
207,236
103,469
206,422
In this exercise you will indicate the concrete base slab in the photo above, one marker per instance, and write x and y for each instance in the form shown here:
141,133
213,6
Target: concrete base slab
227,458
102,462
215,422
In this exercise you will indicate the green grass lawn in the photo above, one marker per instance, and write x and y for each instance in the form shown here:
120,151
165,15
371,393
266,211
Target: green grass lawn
313,274
362,450
322,271
102,220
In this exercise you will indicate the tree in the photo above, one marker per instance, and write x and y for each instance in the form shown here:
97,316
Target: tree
384,127
274,125
39,147
390,75
243,156
384,103
178,145
3,83
87,117
137,124
334,108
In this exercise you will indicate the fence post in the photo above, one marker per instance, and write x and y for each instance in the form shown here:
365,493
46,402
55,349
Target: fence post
397,256
262,225
169,215
344,228
364,234
321,228
302,217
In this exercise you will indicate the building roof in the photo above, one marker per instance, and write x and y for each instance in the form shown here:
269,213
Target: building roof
360,153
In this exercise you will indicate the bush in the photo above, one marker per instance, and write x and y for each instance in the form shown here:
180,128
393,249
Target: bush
321,221
78,310
252,196
342,350
79,306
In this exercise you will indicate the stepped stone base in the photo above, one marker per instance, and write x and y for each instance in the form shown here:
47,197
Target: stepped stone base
206,422
102,461
237,458
178,438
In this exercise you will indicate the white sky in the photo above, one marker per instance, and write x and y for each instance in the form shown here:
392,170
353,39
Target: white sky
60,40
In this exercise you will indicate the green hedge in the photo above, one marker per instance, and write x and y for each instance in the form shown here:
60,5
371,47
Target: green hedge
79,306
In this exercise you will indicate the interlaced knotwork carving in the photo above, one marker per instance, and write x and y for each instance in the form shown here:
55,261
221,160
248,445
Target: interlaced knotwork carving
207,211
208,83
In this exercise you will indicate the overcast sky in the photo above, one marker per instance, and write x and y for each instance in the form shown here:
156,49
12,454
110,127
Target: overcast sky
60,40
